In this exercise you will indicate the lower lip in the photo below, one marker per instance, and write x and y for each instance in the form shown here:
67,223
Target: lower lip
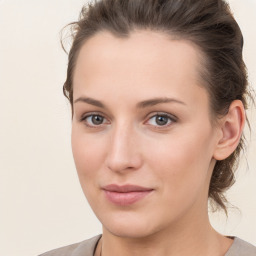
126,198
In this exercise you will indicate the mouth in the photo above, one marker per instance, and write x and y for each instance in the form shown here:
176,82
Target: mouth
126,194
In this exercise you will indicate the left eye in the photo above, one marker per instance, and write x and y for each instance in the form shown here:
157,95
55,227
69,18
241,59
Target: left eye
160,120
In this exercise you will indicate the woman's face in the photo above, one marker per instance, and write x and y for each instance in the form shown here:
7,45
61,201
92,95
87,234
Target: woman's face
142,138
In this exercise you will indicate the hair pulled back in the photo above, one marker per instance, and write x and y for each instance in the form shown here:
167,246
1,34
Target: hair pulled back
208,24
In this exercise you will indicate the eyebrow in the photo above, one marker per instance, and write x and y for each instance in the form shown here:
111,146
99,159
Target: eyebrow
155,101
142,104
90,101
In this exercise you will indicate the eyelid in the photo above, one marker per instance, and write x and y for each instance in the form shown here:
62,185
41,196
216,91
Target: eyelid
160,113
85,115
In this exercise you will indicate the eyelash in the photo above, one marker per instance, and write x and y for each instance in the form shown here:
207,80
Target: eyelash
171,119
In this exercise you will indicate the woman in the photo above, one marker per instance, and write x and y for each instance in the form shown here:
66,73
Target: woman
158,93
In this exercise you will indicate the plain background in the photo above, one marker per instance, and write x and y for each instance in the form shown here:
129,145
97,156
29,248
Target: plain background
41,203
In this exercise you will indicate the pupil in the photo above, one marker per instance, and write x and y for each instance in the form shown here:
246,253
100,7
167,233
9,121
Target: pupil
161,120
97,119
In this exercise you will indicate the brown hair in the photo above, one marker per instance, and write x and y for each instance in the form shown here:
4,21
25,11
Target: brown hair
208,24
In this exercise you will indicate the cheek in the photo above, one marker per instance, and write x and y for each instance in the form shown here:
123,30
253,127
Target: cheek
87,153
182,162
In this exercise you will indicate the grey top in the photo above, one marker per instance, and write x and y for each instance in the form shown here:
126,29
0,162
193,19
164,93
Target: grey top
87,248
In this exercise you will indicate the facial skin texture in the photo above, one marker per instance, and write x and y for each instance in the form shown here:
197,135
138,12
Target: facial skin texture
174,160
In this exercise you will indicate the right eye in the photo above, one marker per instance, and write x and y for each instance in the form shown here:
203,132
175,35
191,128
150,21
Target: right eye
94,120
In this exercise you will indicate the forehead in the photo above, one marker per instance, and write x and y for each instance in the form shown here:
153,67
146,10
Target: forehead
146,61
142,47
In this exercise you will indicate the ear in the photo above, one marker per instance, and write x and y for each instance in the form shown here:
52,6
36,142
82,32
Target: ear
231,127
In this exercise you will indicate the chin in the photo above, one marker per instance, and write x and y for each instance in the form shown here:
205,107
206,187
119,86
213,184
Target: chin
129,226
129,231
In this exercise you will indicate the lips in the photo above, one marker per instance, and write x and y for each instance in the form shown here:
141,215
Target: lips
125,195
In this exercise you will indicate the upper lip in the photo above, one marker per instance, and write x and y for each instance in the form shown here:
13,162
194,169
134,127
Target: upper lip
125,188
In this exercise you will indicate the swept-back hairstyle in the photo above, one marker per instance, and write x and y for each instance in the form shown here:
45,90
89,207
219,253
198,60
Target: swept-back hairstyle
208,24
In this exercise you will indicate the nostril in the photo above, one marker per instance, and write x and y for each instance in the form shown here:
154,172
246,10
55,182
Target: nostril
123,152
124,163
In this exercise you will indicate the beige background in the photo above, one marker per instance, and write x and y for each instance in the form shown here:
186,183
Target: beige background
41,203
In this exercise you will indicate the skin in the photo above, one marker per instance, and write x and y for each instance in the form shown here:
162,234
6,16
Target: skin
129,146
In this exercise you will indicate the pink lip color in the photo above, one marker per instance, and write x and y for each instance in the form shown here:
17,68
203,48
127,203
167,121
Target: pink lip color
125,195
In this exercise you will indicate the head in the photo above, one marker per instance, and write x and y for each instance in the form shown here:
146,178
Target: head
201,44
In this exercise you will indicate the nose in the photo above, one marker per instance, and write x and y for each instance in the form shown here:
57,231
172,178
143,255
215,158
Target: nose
123,151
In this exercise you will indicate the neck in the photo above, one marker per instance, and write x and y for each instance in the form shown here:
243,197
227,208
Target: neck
196,239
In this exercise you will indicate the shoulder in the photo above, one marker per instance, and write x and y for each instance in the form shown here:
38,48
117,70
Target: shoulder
241,248
84,248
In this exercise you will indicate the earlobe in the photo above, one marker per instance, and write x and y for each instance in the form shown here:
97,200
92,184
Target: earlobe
231,127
